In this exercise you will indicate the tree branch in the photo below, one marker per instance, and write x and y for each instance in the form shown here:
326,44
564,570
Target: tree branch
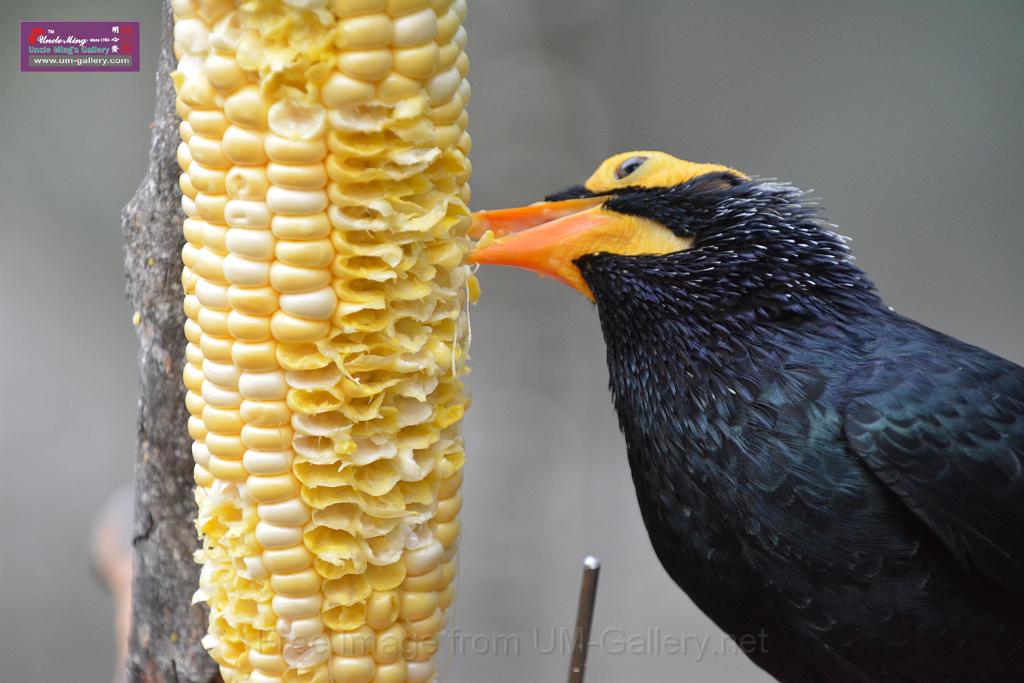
166,629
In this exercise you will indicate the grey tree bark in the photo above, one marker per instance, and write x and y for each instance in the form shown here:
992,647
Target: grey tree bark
166,628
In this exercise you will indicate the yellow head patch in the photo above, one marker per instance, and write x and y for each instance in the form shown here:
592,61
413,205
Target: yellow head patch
649,169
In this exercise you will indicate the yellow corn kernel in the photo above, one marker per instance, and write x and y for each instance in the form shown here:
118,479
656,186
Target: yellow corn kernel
421,650
208,151
447,532
356,643
446,596
420,672
265,413
353,669
222,421
290,511
288,328
247,107
364,30
247,183
306,582
390,644
363,65
209,122
208,180
272,489
260,301
341,91
227,470
426,627
430,581
255,356
381,609
288,151
324,179
288,559
224,446
391,673
244,147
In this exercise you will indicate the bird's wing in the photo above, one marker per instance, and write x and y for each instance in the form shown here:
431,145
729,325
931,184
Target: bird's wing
941,425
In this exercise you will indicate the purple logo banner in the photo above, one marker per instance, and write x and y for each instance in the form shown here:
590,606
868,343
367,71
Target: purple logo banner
79,46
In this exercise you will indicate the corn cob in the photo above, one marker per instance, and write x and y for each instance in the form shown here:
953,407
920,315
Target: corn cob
324,158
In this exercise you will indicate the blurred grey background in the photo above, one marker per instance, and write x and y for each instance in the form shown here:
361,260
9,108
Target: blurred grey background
904,117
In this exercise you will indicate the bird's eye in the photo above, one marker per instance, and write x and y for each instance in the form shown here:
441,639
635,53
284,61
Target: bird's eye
629,166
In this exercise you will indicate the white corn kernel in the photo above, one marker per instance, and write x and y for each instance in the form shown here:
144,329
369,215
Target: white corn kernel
240,213
295,608
414,29
257,245
287,512
300,202
272,462
318,305
264,386
246,272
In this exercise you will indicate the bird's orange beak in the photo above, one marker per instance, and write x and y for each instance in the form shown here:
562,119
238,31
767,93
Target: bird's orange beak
504,222
548,237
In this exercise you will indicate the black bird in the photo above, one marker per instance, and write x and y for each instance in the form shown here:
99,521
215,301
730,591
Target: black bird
834,483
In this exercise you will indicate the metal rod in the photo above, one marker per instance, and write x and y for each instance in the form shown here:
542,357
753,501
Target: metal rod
584,619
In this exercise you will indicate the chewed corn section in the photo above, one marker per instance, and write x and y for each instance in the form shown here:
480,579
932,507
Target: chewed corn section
324,158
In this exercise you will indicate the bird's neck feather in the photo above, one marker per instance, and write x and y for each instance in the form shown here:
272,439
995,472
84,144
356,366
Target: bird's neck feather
690,336
692,323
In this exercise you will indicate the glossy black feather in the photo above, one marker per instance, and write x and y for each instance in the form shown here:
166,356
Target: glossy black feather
574,192
810,465
947,437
